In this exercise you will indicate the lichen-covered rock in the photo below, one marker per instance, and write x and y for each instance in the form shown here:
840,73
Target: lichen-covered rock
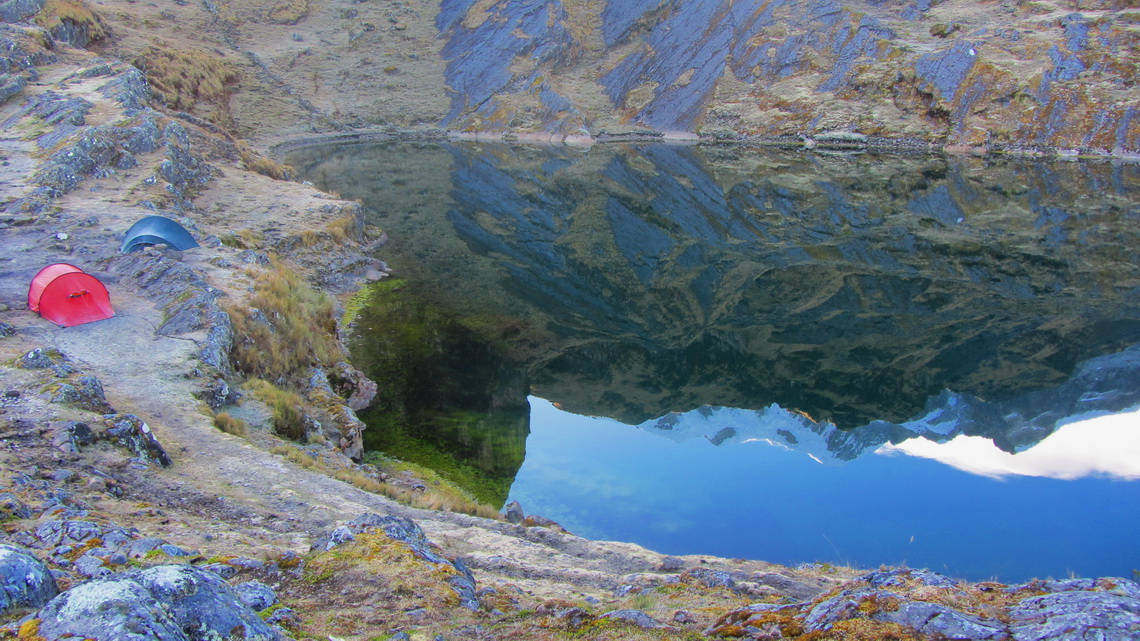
635,618
204,605
409,533
25,582
11,507
19,10
84,392
114,608
335,413
1076,615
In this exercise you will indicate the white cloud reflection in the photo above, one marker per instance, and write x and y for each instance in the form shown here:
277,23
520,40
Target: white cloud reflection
1102,446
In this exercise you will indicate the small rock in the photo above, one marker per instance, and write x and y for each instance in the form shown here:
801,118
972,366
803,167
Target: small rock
683,617
633,617
91,566
514,512
174,550
6,330
256,595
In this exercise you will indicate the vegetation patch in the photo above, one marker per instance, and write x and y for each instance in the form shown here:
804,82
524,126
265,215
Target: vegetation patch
289,11
182,78
288,327
287,407
254,161
230,424
57,12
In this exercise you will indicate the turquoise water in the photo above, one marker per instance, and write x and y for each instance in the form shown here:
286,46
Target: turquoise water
772,354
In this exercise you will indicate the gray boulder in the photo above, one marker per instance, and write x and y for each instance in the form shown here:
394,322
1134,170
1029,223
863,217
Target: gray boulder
25,582
19,10
202,603
117,608
633,617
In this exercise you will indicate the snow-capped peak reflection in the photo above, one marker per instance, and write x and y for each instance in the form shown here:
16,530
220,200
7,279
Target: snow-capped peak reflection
1101,446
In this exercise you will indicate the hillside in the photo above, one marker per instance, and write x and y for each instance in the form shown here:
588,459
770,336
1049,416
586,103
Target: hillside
1001,74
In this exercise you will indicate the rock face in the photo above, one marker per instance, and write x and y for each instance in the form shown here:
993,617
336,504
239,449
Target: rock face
791,67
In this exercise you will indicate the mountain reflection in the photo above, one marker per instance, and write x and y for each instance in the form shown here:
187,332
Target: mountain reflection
961,430
883,297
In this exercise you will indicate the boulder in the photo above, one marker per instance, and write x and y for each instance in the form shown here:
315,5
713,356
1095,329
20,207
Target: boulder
25,582
633,617
256,595
84,392
118,608
202,603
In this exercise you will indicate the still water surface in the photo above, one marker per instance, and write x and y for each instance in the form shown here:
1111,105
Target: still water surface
764,353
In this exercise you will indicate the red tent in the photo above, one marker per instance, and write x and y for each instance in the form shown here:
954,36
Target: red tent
67,296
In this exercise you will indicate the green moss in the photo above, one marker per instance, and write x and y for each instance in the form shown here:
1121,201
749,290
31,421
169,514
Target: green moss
449,397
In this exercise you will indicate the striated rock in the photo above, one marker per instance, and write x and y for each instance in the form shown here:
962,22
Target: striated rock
189,303
19,10
25,582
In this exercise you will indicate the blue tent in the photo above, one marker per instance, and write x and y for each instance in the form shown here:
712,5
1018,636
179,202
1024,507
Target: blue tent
157,230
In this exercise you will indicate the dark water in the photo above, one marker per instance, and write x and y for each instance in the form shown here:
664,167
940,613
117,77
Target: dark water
766,354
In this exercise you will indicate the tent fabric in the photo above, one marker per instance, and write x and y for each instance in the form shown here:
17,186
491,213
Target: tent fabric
45,276
153,230
66,296
75,298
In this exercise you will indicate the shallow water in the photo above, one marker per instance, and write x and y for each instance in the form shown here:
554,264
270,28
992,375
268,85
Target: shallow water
763,353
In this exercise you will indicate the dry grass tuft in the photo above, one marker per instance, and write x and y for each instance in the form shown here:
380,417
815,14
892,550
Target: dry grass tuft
231,424
55,12
297,456
258,163
294,331
184,77
345,228
289,11
287,407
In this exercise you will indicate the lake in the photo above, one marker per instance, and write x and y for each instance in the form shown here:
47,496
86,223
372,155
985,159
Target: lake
764,353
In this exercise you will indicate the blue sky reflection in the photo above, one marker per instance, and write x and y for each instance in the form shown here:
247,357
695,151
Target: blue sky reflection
602,479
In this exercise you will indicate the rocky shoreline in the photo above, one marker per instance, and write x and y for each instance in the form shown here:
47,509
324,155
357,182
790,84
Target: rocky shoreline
128,513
